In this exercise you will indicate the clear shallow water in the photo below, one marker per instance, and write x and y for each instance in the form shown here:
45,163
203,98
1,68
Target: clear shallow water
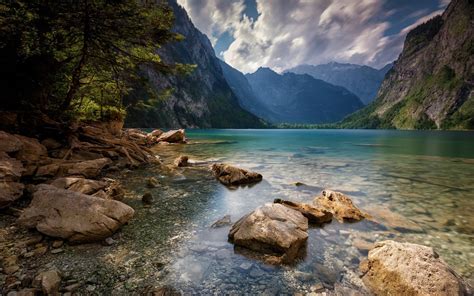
418,185
423,180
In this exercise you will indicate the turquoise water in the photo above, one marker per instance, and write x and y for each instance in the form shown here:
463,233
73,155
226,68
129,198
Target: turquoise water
418,186
424,182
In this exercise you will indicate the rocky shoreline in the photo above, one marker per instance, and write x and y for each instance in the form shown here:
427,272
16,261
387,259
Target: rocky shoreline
51,174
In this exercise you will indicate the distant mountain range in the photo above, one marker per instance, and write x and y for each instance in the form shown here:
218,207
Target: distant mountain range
290,98
364,81
431,83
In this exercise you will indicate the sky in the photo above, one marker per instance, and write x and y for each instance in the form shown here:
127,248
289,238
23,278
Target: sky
281,34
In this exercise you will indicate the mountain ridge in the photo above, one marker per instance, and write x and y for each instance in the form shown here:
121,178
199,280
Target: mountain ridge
431,83
300,98
362,80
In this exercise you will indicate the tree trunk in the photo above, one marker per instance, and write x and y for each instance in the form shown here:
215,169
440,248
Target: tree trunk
76,73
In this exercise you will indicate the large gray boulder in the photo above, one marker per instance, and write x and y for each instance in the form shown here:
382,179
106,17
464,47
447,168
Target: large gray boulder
395,268
272,229
74,216
231,175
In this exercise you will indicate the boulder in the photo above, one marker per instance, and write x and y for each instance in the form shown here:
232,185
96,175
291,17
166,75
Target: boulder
9,143
173,136
89,168
395,268
314,215
138,136
31,151
74,216
104,188
181,161
339,205
48,282
10,187
25,148
272,229
80,185
230,175
156,133
9,192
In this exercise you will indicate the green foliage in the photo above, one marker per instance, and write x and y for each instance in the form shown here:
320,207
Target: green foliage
79,58
422,34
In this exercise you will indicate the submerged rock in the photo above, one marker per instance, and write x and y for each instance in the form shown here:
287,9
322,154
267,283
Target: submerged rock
105,188
314,215
173,136
152,182
231,175
339,205
393,220
224,221
147,198
395,268
272,229
181,161
74,216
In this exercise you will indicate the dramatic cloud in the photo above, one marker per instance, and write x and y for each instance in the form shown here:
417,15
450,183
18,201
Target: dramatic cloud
292,32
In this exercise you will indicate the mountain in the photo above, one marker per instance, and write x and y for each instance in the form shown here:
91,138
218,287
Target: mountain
431,83
364,81
201,99
244,92
295,98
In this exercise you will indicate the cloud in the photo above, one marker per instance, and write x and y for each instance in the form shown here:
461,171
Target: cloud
293,32
214,17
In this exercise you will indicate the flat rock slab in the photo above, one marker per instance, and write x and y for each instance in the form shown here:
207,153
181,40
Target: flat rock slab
395,268
231,175
315,215
339,205
272,229
74,216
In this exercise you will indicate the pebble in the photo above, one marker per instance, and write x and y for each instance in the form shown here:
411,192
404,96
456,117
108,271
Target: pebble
57,251
72,288
246,266
57,244
40,251
109,241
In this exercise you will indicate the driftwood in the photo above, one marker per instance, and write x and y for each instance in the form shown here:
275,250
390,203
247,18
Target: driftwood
98,140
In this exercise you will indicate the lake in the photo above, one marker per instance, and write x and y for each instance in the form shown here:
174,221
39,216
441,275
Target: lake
418,185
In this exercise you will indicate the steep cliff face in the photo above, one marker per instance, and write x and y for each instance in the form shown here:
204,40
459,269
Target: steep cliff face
364,81
295,98
431,83
201,99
